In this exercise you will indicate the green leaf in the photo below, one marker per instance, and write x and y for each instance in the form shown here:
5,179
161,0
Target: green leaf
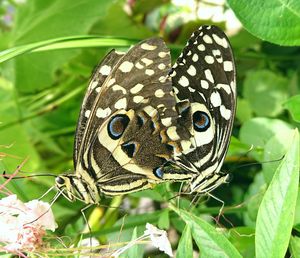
295,247
243,111
185,246
135,250
276,21
164,221
292,105
258,131
275,149
243,239
253,199
265,92
210,242
42,20
276,213
64,43
236,147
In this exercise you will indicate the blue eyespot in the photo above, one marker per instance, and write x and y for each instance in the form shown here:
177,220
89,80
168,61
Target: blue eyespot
201,121
117,125
158,172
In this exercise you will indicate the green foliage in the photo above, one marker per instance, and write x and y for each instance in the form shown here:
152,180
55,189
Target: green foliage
274,20
47,53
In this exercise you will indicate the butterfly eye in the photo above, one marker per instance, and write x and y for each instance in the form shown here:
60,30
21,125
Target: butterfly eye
117,126
59,180
201,121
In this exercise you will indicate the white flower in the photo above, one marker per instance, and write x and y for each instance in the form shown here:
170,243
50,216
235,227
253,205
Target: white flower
42,211
157,236
159,239
23,224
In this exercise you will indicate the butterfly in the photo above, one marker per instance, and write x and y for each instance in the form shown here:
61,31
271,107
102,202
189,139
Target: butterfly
143,122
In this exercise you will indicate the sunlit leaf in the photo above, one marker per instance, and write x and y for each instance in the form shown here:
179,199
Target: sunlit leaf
276,213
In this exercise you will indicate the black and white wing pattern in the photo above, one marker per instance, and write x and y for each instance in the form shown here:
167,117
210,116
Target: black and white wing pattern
204,83
118,146
142,122
94,86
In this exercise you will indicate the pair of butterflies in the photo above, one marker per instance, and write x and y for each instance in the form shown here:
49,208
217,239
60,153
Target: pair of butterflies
143,122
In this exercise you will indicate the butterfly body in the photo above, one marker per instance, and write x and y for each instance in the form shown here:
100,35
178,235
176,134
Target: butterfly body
143,122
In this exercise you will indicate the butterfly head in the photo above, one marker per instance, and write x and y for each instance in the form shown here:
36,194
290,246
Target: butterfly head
63,183
75,188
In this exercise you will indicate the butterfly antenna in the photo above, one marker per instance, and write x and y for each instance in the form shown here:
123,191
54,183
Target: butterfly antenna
11,176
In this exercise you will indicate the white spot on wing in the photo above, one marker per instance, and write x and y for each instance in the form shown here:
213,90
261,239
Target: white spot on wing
192,70
147,46
159,93
102,113
195,57
139,66
137,88
105,70
121,104
161,66
162,79
146,61
228,66
149,72
204,84
111,82
215,99
225,87
183,81
162,54
207,39
225,113
185,145
191,89
93,84
171,132
126,67
138,99
87,113
173,73
220,41
151,111
166,121
209,76
201,47
209,59
118,87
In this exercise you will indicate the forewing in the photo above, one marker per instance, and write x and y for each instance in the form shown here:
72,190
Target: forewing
96,81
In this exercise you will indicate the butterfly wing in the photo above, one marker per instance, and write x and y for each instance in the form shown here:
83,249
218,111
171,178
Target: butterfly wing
204,82
133,104
96,81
